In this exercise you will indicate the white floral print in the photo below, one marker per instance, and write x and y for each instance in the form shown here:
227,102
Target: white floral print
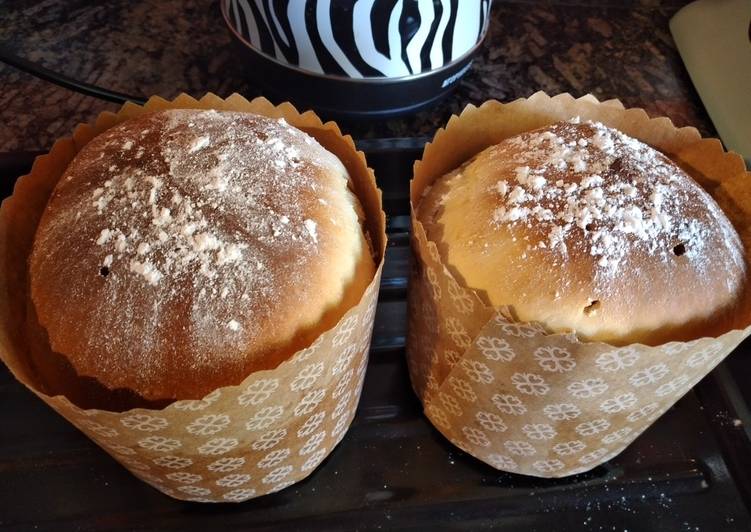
269,440
587,388
705,355
239,494
593,456
589,428
258,392
307,377
649,375
520,448
341,425
144,422
195,490
619,403
569,447
265,417
538,431
617,435
462,300
314,459
226,464
501,461
676,348
451,356
273,458
476,436
554,359
345,331
530,384
344,359
495,349
517,329
159,444
310,401
548,466
437,415
312,443
643,412
218,446
672,387
490,421
277,474
450,403
184,477
562,411
173,462
208,424
342,384
458,334
477,371
281,486
341,406
509,404
311,424
462,389
617,360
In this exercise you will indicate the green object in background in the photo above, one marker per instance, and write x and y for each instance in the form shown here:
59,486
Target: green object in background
714,40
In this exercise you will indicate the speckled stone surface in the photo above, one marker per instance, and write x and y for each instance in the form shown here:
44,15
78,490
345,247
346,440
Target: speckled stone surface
613,49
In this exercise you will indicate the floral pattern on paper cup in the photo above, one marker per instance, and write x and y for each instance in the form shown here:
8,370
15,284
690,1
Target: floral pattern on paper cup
274,428
509,393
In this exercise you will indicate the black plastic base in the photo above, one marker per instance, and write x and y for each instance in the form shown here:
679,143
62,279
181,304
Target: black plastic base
337,97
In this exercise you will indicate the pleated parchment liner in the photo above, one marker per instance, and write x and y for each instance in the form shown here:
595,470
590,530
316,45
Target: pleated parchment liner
510,393
238,442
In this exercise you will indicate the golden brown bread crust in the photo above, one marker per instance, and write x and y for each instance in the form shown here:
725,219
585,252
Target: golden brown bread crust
182,250
582,228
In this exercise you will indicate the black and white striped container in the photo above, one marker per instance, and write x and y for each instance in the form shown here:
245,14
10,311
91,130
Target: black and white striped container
359,57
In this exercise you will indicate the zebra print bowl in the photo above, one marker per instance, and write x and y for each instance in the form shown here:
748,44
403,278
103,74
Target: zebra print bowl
358,58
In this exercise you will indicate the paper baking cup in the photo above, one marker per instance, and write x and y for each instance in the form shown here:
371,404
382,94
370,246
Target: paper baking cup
510,393
238,442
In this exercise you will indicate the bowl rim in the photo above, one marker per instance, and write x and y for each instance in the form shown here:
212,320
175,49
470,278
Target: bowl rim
223,6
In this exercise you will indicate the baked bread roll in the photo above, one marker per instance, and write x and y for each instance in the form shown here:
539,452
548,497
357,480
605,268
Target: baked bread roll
582,228
185,249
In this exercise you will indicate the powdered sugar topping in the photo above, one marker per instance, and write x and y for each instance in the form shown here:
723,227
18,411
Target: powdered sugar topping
197,187
592,186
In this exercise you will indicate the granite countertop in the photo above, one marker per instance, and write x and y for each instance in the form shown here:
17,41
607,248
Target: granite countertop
610,48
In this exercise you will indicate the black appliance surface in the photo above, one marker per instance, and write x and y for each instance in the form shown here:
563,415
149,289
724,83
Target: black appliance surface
690,471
